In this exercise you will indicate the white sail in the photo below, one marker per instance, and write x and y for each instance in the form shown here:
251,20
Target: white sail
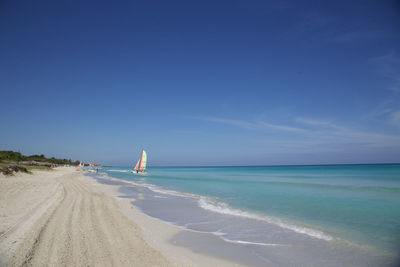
140,166
137,165
143,161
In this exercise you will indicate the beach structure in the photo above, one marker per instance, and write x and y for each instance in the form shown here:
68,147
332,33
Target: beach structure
140,167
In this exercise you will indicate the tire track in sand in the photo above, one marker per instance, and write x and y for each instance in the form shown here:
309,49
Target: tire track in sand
84,228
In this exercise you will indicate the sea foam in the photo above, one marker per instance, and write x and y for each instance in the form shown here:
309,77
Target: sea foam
118,171
224,208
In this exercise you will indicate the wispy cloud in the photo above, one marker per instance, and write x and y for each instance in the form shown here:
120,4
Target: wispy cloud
318,132
314,122
388,66
233,122
342,133
395,87
395,117
254,125
384,108
282,127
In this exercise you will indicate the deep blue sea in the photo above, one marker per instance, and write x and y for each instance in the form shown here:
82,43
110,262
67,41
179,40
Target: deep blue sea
350,205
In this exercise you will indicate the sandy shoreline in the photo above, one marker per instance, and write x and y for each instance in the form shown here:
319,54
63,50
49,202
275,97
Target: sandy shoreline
62,217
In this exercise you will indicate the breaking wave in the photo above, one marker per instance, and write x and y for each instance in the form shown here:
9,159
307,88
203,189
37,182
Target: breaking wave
224,208
118,170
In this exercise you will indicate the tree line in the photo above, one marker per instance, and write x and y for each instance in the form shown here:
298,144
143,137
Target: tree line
17,156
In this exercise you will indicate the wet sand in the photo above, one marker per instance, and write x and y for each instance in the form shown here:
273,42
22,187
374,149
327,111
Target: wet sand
63,217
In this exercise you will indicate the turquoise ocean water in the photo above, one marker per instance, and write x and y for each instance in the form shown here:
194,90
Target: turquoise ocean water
358,204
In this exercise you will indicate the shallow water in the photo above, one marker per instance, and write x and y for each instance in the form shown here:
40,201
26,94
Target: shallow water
349,212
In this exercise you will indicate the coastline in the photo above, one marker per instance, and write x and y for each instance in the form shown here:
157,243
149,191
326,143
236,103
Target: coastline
236,235
157,233
64,217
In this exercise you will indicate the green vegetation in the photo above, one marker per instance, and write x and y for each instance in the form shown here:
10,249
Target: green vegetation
16,157
11,162
9,169
33,167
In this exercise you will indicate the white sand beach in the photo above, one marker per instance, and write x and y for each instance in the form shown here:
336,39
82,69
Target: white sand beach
64,218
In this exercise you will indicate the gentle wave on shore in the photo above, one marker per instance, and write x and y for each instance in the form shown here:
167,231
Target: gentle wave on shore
221,201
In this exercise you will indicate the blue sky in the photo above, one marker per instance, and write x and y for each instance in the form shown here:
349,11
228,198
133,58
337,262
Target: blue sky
202,83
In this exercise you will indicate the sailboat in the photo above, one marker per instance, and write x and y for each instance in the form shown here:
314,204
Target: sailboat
140,167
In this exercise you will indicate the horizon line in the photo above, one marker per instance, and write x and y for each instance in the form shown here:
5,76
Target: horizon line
278,165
